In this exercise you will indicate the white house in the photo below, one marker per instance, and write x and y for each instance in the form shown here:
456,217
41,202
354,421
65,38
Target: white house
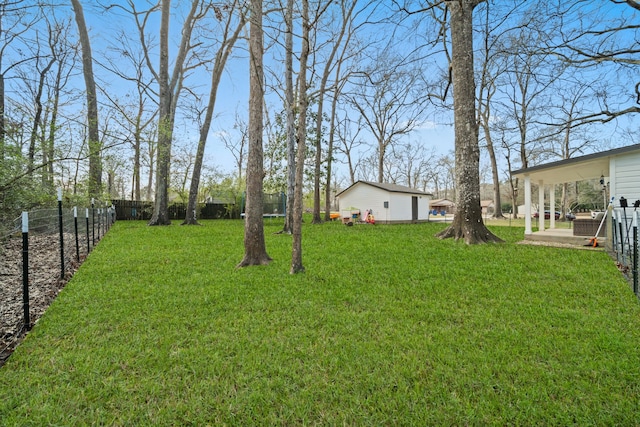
389,203
440,205
618,169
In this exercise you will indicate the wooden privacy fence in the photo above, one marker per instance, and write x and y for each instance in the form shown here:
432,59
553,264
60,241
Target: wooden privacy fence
274,204
142,210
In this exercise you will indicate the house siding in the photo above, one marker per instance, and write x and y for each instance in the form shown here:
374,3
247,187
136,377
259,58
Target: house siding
625,179
363,196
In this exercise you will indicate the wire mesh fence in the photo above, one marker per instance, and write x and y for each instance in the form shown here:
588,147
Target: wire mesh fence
624,232
39,251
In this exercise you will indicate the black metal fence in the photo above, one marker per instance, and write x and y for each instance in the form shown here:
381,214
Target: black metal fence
624,232
38,252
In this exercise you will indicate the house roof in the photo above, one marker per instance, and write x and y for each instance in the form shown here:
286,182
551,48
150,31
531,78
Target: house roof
581,168
486,203
442,202
391,188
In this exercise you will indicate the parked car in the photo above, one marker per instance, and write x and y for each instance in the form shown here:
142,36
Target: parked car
570,216
547,215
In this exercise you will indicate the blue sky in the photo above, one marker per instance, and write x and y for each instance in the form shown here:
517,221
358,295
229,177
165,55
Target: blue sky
435,132
233,94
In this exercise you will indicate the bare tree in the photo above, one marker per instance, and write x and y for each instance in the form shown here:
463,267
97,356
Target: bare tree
95,162
346,13
339,84
564,138
467,223
237,146
43,64
170,86
296,251
230,34
591,38
490,67
135,118
183,160
14,23
349,140
390,102
414,165
523,96
65,55
291,119
254,243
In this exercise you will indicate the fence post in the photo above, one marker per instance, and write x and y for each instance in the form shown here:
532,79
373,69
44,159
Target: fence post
61,233
99,225
86,213
621,239
25,269
75,225
93,222
635,253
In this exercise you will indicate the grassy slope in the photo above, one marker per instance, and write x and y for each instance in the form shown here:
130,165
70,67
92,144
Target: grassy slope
388,326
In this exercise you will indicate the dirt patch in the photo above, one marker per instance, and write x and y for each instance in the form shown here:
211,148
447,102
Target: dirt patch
45,282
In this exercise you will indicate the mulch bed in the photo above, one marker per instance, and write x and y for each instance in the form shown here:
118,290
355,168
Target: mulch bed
45,283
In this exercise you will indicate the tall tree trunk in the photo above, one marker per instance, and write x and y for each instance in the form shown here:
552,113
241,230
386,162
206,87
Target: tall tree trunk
467,223
291,119
497,202
165,128
318,157
50,144
152,162
255,252
170,87
38,115
219,63
381,156
347,11
95,160
136,168
327,190
2,120
296,250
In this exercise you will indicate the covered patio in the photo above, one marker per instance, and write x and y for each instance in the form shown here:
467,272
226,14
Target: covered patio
547,176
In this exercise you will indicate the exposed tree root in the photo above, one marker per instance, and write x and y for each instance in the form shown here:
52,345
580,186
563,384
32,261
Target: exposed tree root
190,221
249,261
153,222
295,269
475,235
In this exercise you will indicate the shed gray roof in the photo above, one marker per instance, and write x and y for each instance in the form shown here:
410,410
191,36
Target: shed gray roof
392,188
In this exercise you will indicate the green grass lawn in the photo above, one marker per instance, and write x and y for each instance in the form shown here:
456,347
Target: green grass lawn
388,326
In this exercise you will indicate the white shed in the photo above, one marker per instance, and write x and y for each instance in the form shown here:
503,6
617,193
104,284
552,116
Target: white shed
389,203
618,168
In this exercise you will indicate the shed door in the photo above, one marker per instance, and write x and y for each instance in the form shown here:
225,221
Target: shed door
414,208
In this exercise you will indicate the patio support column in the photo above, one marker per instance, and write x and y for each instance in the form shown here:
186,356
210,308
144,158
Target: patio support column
527,205
541,205
552,206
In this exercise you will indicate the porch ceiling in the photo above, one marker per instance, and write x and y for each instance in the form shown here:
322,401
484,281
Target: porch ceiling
567,172
590,166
